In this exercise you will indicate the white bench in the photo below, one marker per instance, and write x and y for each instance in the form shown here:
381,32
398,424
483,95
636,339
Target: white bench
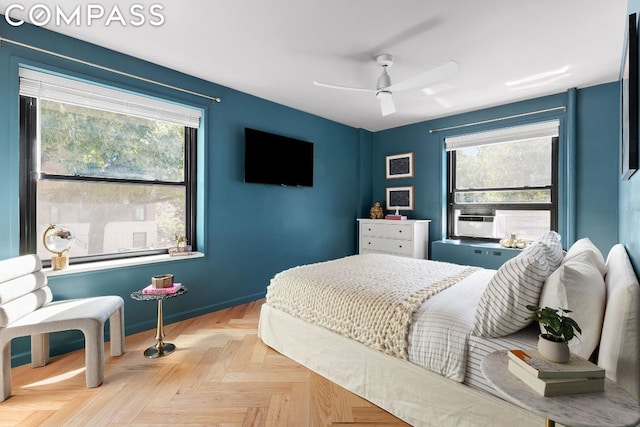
26,308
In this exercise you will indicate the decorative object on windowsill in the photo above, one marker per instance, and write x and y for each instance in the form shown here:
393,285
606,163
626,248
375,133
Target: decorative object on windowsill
181,247
376,211
559,330
58,240
513,242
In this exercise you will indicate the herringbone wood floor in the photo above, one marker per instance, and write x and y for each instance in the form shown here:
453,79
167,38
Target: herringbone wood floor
221,374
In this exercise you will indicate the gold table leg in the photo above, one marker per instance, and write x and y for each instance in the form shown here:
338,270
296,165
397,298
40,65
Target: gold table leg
161,348
550,423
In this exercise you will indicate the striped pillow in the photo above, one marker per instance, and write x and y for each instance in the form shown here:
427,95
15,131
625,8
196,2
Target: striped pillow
552,248
502,309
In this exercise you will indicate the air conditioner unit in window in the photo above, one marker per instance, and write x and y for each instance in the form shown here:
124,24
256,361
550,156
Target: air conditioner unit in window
476,226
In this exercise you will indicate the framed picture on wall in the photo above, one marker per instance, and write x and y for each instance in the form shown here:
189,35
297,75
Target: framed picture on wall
400,198
629,98
400,166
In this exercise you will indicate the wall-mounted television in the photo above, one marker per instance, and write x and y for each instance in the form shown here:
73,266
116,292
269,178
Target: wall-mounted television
276,159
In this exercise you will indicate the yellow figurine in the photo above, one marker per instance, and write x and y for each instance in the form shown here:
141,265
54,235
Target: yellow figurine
376,211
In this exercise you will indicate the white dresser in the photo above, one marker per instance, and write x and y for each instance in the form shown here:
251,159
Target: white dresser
409,238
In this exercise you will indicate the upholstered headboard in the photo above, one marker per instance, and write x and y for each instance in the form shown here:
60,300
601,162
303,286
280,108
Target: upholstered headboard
619,352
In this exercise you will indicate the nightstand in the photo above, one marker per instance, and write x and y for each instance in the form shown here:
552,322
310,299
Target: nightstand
613,407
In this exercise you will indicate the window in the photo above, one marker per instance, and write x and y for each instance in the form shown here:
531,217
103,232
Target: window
503,182
117,169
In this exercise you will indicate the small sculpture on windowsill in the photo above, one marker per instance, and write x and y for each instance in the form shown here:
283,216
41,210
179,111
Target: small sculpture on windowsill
513,242
376,211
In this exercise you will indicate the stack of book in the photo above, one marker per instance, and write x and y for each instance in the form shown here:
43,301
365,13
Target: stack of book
396,217
548,378
150,290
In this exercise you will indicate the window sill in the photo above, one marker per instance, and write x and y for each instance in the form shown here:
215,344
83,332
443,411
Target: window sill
118,263
476,243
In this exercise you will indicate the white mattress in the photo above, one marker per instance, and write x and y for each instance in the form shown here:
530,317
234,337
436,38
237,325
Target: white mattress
412,393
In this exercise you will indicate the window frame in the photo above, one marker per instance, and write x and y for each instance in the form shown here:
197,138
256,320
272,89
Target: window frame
490,208
29,177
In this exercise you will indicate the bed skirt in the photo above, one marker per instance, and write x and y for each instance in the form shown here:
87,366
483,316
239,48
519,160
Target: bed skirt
411,393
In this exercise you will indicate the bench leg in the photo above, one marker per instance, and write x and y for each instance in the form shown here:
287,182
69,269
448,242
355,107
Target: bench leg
94,353
39,350
5,372
116,332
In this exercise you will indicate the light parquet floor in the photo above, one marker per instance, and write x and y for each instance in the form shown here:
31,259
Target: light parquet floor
221,374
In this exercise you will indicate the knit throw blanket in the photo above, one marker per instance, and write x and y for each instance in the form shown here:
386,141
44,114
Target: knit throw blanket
370,298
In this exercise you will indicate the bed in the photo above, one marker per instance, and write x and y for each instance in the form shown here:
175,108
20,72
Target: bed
425,367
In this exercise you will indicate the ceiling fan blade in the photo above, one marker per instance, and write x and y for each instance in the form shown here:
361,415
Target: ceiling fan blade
424,79
387,106
330,86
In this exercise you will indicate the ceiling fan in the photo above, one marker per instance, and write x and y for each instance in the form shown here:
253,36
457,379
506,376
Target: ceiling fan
384,89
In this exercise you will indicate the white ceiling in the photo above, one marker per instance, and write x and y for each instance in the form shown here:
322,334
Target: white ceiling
274,49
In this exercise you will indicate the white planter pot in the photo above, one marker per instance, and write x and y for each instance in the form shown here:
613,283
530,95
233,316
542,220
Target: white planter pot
552,350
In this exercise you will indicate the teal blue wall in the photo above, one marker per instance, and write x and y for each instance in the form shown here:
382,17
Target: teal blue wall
597,164
249,231
589,141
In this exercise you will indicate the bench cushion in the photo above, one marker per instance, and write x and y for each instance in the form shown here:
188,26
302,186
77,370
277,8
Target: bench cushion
19,266
15,288
19,307
64,314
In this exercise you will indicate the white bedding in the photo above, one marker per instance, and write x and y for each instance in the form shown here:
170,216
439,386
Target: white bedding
439,331
370,298
439,334
440,340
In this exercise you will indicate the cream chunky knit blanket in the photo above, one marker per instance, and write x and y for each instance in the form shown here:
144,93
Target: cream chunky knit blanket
370,298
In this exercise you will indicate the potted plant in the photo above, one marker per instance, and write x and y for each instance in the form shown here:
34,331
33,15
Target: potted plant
559,330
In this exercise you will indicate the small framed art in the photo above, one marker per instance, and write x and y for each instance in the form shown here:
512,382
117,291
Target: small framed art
400,166
400,198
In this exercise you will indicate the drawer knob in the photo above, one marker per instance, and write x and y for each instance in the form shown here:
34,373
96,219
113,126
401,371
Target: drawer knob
400,246
368,243
368,229
399,231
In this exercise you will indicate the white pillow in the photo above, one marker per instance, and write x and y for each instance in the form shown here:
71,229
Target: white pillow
585,245
619,345
502,308
577,285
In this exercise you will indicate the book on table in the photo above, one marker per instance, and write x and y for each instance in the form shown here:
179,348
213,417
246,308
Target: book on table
150,290
556,386
539,367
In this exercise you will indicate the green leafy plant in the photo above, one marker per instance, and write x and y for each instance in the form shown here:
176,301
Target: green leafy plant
558,327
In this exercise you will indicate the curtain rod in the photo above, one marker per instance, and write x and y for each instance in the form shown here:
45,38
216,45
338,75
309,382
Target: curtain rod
122,73
563,108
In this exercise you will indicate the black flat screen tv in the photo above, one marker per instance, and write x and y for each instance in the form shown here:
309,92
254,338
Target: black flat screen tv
275,159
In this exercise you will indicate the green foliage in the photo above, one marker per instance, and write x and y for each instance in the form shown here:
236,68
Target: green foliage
93,143
516,164
83,142
558,327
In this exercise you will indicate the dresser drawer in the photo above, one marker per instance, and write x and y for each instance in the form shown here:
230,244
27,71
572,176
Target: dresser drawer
392,231
392,246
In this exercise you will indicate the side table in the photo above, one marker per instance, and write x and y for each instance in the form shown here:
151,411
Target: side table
613,407
161,348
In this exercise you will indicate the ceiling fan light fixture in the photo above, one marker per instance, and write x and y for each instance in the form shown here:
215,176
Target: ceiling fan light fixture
384,81
383,94
384,89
